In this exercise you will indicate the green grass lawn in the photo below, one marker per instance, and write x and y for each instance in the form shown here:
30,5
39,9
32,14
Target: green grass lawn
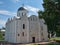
56,38
47,44
52,44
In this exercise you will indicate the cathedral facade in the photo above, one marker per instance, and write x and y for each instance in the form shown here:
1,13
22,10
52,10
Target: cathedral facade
24,29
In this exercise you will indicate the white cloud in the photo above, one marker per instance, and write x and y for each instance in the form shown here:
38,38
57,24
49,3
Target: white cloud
30,8
15,1
5,12
1,2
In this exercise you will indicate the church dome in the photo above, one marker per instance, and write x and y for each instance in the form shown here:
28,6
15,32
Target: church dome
21,8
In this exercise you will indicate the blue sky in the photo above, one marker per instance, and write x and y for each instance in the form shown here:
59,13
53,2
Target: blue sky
8,8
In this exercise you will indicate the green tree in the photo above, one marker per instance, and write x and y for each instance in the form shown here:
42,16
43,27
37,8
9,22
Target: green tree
51,14
1,36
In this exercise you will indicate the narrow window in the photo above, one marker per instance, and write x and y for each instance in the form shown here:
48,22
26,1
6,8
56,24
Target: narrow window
43,38
3,34
31,19
22,33
42,34
18,35
23,26
22,14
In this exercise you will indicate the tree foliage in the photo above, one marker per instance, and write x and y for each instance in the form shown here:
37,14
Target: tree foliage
51,14
1,36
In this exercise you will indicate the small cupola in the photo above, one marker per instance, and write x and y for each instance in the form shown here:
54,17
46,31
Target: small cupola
21,8
21,12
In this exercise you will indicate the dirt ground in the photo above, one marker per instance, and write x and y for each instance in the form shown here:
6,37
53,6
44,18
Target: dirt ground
6,43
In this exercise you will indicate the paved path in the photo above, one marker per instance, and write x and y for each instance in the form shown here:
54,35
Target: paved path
24,44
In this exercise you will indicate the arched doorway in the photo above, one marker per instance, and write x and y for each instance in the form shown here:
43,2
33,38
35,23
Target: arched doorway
33,39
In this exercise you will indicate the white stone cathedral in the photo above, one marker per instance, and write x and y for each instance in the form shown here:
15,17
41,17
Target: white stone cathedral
24,29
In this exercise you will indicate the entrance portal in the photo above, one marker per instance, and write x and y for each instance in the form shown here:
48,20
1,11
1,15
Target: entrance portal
33,39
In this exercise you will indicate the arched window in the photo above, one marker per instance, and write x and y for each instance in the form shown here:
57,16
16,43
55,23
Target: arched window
22,14
23,26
